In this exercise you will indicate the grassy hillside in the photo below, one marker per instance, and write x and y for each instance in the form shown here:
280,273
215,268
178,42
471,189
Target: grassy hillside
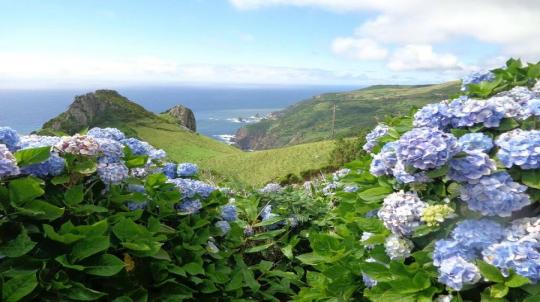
311,120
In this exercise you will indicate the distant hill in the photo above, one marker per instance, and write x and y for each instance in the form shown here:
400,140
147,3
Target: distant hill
107,108
311,120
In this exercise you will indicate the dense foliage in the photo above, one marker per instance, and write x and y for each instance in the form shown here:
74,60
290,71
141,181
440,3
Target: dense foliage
439,206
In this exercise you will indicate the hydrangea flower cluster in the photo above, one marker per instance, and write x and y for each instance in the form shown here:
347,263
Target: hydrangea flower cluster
111,151
496,194
271,188
8,164
436,214
476,78
191,188
519,147
475,142
432,116
397,247
229,213
373,137
169,169
401,212
466,112
9,138
186,170
426,148
339,174
471,167
112,173
189,206
78,145
107,133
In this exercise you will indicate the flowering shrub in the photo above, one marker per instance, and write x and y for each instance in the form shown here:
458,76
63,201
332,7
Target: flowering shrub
445,208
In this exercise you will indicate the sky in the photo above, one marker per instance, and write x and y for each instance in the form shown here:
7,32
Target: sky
85,43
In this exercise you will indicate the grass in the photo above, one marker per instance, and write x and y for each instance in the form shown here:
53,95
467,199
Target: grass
229,163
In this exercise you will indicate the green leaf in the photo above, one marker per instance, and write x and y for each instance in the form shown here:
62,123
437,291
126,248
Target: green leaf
375,194
259,248
535,298
137,161
89,246
74,195
19,246
508,124
442,171
40,210
490,272
32,156
531,178
65,263
194,268
268,222
236,281
105,265
516,280
60,179
311,258
79,292
24,189
86,167
498,290
18,287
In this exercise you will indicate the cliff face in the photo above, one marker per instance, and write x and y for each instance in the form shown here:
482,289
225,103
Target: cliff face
100,108
183,116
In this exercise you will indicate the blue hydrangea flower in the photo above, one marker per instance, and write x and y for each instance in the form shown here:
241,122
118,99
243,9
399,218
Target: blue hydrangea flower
519,147
398,248
432,116
224,226
339,174
521,256
187,169
113,173
191,188
475,142
456,272
350,188
110,151
157,154
477,234
496,194
384,161
8,163
519,94
466,112
511,108
472,166
533,107
426,148
133,206
108,133
136,188
476,78
189,206
373,137
329,189
169,169
266,213
445,249
229,213
368,281
271,188
138,147
51,167
403,176
527,228
10,138
401,212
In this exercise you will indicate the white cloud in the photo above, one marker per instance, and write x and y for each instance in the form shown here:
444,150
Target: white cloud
20,70
421,57
362,49
511,25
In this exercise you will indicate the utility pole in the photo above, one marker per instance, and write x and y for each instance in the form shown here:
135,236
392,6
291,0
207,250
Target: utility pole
334,120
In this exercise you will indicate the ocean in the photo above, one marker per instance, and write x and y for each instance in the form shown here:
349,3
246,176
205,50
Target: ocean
219,111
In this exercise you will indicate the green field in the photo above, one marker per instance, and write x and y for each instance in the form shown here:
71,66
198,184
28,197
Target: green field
226,162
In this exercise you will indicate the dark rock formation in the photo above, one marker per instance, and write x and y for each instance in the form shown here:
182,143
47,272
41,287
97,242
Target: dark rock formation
183,116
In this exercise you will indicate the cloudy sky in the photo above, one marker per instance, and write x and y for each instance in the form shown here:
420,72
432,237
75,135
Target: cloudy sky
61,43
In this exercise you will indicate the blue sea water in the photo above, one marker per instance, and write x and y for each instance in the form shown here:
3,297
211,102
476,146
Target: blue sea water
216,109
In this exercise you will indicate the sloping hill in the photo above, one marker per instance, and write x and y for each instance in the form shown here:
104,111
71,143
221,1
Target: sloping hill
311,120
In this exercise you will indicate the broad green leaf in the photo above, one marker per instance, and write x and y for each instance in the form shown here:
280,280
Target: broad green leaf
86,167
137,161
531,178
259,248
40,210
236,281
268,222
18,287
375,194
60,179
22,190
89,246
79,292
311,258
32,156
490,272
498,290
194,268
19,246
74,195
105,265
65,263
516,280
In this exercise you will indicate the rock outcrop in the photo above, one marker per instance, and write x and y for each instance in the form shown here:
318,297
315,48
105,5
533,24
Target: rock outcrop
99,108
183,116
